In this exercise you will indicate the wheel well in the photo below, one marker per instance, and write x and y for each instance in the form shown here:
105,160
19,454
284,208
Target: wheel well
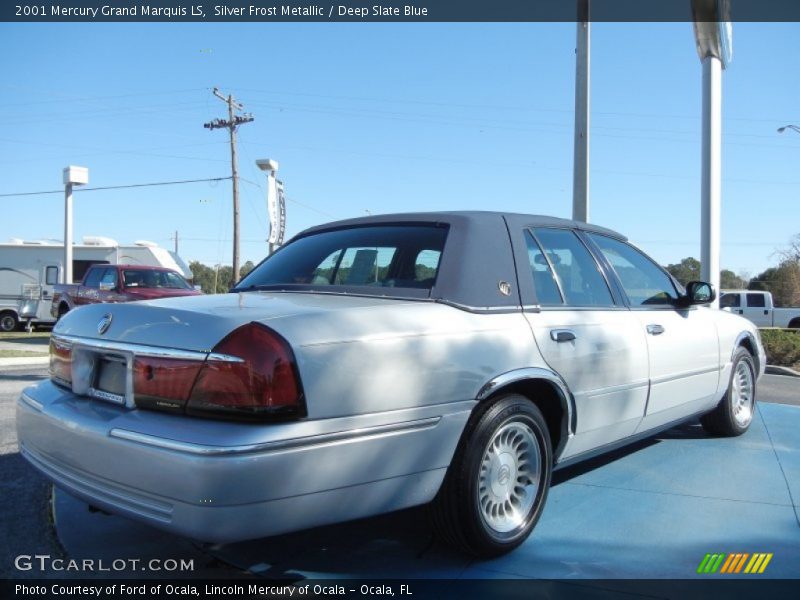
748,345
794,323
548,400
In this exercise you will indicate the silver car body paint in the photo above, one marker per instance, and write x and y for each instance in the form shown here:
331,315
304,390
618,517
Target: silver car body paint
390,385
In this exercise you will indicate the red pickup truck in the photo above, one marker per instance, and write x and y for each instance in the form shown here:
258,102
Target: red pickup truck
119,283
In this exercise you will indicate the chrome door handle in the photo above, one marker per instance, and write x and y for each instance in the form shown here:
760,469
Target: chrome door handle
562,335
655,329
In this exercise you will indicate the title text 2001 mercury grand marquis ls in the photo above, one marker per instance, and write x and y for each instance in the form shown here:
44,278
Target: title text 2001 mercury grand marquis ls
384,362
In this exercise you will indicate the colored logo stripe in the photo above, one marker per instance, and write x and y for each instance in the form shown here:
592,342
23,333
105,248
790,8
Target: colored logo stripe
734,562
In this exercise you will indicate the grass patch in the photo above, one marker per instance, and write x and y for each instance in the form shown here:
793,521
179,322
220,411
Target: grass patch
19,353
21,336
782,347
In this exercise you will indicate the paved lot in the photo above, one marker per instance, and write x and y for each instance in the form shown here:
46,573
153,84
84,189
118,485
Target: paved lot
652,510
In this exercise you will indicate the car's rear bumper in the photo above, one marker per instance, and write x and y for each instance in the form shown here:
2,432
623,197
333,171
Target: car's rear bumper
221,482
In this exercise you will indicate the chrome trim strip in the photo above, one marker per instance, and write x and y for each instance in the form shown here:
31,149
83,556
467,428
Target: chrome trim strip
31,402
667,378
511,308
614,389
301,442
535,373
746,335
142,350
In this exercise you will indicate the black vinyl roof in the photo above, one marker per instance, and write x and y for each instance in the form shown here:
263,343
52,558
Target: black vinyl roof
478,256
475,217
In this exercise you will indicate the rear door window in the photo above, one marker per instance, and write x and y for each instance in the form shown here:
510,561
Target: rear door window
544,282
756,301
571,266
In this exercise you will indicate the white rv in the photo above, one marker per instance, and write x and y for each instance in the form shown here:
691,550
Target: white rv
28,271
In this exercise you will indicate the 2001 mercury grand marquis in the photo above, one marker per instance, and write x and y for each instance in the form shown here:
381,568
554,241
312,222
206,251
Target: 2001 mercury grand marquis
384,362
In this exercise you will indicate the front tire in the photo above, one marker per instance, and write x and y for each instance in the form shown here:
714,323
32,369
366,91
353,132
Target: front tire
735,411
497,484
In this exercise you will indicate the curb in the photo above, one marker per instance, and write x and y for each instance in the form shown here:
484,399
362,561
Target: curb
776,370
24,361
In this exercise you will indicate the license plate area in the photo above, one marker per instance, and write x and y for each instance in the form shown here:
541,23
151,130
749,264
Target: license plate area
102,375
110,379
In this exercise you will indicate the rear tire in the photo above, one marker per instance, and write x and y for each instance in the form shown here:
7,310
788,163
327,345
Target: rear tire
735,411
497,484
8,322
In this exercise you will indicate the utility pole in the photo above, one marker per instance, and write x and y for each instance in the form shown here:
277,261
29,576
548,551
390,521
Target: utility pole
176,241
231,124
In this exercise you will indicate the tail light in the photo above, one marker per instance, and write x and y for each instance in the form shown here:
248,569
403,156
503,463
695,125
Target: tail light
60,362
264,384
163,383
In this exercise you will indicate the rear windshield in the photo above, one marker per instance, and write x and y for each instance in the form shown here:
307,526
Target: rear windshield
145,278
371,258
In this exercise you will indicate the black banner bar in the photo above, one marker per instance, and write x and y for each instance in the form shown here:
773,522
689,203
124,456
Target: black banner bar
411,589
388,11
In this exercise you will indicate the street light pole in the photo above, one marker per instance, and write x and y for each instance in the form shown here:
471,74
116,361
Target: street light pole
794,128
711,172
712,32
580,165
71,176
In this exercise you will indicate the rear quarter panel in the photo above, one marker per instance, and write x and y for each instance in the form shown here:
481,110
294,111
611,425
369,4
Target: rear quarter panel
400,356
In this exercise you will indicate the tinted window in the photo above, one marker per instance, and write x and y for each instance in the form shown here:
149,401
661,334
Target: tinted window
93,277
576,272
147,278
644,281
109,277
730,301
543,280
391,256
79,268
756,301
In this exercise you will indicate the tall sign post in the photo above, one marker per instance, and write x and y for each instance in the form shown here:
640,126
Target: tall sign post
713,35
72,176
276,203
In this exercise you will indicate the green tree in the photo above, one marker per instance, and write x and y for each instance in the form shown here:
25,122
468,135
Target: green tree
214,280
689,270
685,271
728,280
246,268
782,281
202,276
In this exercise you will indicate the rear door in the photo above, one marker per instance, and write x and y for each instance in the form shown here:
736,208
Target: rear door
755,309
587,336
682,344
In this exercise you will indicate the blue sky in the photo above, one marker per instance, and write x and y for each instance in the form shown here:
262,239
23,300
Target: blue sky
394,117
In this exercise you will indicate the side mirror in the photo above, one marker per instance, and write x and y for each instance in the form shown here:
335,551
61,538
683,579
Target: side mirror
698,292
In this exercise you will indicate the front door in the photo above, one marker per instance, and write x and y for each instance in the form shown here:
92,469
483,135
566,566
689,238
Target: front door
682,344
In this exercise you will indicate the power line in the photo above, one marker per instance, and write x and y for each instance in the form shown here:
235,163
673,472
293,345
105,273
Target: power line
118,187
